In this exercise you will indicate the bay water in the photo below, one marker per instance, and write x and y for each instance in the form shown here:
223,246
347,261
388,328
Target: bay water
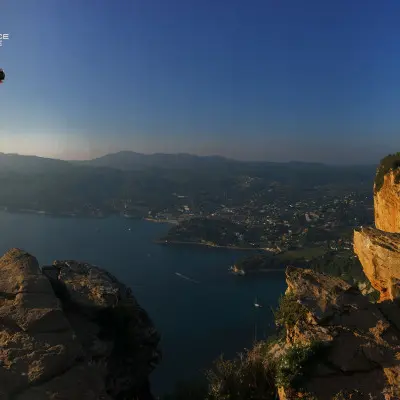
198,319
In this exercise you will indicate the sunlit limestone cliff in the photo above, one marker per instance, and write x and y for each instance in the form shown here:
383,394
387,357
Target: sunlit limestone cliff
379,248
387,194
357,343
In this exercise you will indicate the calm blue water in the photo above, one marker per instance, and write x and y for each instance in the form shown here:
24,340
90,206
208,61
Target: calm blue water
197,322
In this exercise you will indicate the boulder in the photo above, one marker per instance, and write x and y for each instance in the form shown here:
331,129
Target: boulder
379,254
71,331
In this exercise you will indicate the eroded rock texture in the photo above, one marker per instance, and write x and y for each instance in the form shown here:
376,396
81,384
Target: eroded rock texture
361,342
379,249
71,331
387,203
379,254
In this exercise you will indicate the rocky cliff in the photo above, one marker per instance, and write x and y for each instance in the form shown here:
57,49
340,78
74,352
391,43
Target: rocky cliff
344,346
357,342
71,331
379,254
387,199
378,249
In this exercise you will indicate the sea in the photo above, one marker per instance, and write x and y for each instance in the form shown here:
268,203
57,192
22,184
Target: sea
199,318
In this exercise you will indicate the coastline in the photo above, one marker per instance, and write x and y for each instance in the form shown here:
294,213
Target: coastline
266,270
57,215
159,241
86,216
75,215
161,221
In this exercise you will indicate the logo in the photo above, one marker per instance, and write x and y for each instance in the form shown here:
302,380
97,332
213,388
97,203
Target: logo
3,38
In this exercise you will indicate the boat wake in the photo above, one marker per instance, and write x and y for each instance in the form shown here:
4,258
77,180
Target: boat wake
186,277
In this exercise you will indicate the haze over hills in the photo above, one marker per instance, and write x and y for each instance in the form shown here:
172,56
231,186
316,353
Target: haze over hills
129,160
105,185
172,166
132,160
31,164
197,171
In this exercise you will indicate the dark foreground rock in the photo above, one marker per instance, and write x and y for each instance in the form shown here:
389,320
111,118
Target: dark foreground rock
71,331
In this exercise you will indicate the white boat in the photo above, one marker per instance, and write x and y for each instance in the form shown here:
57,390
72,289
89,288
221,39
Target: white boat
257,304
237,271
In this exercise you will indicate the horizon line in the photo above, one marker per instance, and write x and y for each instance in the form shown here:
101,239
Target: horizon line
187,154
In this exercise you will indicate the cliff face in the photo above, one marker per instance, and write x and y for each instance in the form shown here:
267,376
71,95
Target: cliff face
379,254
360,356
379,249
387,203
71,331
359,342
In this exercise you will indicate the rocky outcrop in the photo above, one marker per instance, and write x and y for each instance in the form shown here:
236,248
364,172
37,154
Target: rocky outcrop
379,254
387,202
379,249
359,342
71,331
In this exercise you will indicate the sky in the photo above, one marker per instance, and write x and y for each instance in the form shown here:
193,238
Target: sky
274,80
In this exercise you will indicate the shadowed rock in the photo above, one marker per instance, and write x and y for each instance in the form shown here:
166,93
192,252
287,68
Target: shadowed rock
71,331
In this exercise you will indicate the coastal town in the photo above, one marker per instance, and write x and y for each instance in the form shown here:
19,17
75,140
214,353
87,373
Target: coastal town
277,225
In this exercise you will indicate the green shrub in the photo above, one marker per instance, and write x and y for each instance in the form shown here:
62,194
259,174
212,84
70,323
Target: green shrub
295,365
289,311
248,377
390,162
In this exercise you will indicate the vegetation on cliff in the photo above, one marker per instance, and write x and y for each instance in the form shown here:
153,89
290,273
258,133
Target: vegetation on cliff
289,311
249,376
256,373
388,163
296,364
324,322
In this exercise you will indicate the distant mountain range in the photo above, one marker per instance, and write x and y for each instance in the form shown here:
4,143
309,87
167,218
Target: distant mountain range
187,167
36,183
31,164
131,161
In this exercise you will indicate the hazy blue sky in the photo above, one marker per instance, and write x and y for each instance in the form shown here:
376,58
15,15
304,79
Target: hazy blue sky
273,79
